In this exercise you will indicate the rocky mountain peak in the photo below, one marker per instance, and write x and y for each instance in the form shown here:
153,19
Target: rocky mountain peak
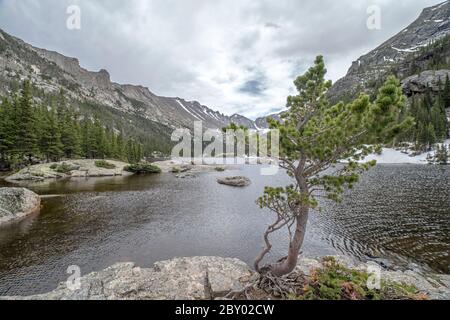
432,24
397,53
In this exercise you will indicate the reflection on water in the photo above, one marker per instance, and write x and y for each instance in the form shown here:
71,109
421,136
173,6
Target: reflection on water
397,212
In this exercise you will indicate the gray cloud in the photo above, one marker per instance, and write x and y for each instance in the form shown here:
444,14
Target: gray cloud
232,55
253,87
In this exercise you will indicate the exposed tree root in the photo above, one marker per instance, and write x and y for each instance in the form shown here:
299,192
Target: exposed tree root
269,286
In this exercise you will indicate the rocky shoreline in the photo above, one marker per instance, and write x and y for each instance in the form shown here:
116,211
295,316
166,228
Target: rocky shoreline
205,278
180,166
87,168
67,169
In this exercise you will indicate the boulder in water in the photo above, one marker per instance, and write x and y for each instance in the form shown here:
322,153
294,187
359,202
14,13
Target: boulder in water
17,203
235,181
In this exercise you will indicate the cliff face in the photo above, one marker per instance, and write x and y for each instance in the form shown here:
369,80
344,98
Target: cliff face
427,80
51,70
403,54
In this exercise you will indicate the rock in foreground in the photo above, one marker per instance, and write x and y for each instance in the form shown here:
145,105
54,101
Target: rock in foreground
177,279
235,181
17,203
184,279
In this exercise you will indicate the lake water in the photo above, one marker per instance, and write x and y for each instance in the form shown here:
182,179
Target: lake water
398,212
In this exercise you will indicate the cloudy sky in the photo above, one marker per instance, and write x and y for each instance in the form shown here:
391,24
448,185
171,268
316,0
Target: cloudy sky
235,56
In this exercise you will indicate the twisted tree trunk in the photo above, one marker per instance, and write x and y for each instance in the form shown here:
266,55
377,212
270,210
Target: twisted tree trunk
288,265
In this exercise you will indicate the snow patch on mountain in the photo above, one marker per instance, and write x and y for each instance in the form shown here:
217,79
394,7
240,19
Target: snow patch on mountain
186,109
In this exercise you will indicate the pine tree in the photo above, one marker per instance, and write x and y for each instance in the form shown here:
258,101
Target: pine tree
7,137
431,135
438,119
120,153
70,138
98,135
446,94
50,136
442,154
26,131
88,144
314,137
129,150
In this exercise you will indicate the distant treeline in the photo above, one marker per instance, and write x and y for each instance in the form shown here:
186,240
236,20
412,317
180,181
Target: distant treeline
50,131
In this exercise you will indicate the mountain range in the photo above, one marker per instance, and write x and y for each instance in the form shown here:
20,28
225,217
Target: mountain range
409,51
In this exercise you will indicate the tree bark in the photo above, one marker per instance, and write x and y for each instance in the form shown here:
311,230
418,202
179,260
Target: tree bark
288,265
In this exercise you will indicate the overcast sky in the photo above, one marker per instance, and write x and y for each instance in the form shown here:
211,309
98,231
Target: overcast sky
235,56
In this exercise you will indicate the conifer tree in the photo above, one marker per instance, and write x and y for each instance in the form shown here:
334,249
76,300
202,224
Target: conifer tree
7,138
438,119
130,151
26,126
50,136
88,144
120,153
446,94
442,154
314,136
70,138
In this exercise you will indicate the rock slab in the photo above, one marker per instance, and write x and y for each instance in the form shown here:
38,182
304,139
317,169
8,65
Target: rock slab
78,169
176,279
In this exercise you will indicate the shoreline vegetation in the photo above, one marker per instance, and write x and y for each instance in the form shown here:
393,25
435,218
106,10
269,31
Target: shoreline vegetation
93,168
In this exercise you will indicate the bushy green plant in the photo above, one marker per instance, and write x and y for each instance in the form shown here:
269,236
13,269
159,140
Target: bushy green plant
64,168
336,282
142,168
104,164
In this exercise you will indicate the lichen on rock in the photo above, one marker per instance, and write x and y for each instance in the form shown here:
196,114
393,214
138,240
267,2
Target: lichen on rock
16,203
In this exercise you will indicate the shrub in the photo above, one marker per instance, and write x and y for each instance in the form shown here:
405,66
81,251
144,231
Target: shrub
104,164
220,169
54,166
64,168
142,168
336,282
